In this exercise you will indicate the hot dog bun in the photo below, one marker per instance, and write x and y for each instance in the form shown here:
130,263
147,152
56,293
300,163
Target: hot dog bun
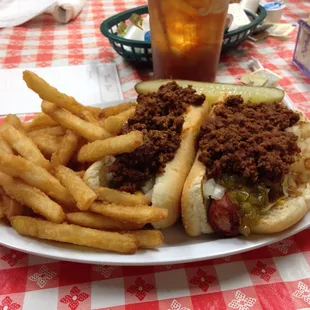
168,186
194,208
282,216
94,176
277,218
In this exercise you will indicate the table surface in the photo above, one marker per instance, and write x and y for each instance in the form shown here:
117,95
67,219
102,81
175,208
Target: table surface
273,277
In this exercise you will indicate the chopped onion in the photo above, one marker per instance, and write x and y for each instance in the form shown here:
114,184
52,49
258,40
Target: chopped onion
213,190
148,185
208,188
218,192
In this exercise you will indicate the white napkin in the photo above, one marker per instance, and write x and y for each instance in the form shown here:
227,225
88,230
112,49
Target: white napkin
65,10
16,12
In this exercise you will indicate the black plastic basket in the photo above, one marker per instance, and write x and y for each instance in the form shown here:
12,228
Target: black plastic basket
140,51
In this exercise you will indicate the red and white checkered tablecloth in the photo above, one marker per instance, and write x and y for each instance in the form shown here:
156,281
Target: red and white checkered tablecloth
273,277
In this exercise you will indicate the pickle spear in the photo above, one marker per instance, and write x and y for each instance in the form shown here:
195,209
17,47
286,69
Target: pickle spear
214,91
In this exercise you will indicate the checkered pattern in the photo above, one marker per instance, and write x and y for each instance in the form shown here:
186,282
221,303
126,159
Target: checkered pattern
273,277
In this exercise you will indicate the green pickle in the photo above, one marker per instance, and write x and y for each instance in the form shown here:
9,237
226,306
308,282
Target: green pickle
251,199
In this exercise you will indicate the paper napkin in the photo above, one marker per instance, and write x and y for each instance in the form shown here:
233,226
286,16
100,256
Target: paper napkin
16,12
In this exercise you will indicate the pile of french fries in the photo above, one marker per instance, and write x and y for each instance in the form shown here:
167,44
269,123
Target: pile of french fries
42,163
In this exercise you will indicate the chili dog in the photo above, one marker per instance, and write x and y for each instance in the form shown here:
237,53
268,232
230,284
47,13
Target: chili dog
169,120
251,173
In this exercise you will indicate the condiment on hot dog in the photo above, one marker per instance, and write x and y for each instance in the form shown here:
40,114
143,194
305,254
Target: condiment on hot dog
169,120
238,183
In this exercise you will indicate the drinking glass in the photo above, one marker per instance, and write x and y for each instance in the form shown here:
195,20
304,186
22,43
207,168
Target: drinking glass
186,37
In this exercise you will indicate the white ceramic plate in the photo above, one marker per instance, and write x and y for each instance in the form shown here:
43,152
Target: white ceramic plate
178,247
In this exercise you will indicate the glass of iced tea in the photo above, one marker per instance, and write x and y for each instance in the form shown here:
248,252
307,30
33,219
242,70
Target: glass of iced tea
187,37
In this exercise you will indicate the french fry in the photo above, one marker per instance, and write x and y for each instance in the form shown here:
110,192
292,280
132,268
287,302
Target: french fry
110,111
110,241
112,146
120,198
38,122
66,149
70,121
25,146
148,238
2,214
5,146
80,174
14,121
32,197
10,120
47,144
50,93
36,176
72,136
115,123
52,131
95,111
11,207
89,117
97,221
82,194
131,214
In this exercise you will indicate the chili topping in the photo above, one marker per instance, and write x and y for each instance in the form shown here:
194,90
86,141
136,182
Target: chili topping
159,116
249,140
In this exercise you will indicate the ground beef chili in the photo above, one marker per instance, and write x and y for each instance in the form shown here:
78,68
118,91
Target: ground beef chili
160,117
249,141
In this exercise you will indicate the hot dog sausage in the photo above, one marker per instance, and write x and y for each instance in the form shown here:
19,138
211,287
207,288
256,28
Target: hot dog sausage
223,217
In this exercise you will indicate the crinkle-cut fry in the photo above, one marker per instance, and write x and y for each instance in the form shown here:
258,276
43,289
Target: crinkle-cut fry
130,214
148,238
81,193
96,150
115,123
36,176
110,111
50,93
14,121
70,121
52,131
40,121
69,233
47,144
11,207
98,221
5,146
121,198
25,147
32,197
66,149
